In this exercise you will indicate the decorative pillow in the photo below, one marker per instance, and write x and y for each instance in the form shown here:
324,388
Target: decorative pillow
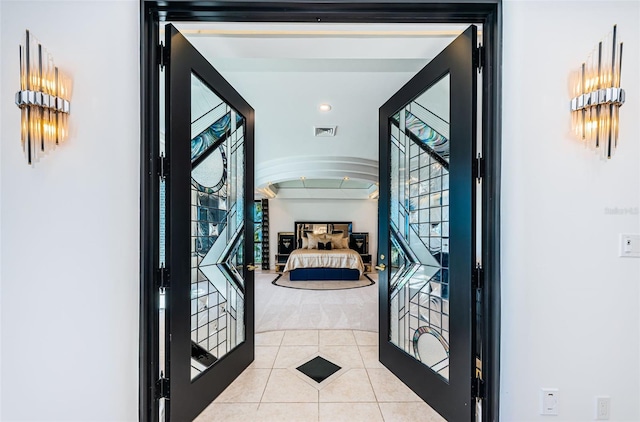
324,246
338,242
305,243
314,239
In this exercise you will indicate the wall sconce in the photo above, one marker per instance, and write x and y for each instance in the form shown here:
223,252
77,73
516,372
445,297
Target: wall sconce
598,97
43,100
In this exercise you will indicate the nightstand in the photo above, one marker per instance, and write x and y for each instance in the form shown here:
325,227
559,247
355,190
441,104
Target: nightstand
285,247
281,261
366,260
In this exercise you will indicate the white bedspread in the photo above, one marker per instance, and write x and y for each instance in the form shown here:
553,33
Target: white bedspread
317,258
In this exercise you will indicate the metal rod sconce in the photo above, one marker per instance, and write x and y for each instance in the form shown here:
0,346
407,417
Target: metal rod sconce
43,100
598,97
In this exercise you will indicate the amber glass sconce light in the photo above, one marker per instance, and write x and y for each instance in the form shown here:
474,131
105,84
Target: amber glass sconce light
597,96
43,100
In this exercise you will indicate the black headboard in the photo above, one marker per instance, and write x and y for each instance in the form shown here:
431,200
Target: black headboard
301,228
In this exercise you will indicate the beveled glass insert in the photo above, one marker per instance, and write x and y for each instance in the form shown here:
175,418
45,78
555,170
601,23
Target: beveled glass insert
318,369
217,222
419,220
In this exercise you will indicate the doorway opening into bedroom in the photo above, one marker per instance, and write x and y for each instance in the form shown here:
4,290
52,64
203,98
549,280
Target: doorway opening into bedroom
356,12
354,68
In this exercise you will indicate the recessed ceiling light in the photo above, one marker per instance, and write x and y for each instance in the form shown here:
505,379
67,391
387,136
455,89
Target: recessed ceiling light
302,177
346,178
325,107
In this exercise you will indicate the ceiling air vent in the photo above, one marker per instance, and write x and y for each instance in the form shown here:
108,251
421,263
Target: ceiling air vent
325,131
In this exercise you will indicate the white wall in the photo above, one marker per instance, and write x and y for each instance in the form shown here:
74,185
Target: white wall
569,304
70,283
283,213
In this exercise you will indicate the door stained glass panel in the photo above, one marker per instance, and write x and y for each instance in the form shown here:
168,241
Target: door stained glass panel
419,283
217,223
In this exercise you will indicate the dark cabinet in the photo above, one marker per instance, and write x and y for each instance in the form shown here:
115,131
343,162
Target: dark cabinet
359,242
286,244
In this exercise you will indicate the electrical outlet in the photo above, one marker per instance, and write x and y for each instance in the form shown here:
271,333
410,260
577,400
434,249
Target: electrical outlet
603,408
549,401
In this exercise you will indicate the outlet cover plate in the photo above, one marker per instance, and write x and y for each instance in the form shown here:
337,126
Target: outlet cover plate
549,401
603,408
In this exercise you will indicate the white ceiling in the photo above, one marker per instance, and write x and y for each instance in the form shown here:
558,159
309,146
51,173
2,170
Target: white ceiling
286,70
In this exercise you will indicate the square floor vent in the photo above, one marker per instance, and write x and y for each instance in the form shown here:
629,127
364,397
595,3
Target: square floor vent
325,131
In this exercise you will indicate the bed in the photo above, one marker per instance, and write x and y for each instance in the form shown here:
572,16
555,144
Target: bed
322,253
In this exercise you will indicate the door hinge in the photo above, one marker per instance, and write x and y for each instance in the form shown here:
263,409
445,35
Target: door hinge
163,56
162,388
162,278
163,167
478,277
477,388
479,168
479,57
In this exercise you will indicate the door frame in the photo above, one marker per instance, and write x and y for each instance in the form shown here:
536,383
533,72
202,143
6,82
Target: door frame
488,13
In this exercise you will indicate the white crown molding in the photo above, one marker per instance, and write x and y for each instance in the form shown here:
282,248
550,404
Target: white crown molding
315,167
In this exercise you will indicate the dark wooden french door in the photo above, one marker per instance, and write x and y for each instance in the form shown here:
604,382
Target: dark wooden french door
209,336
427,222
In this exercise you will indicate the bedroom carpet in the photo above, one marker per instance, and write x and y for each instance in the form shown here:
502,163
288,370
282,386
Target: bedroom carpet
283,280
277,308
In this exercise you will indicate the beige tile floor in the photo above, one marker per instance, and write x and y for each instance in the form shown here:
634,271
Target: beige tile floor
272,390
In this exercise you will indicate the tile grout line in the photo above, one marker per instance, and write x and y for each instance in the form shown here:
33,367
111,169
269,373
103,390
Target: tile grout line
265,388
318,391
361,358
270,372
369,378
